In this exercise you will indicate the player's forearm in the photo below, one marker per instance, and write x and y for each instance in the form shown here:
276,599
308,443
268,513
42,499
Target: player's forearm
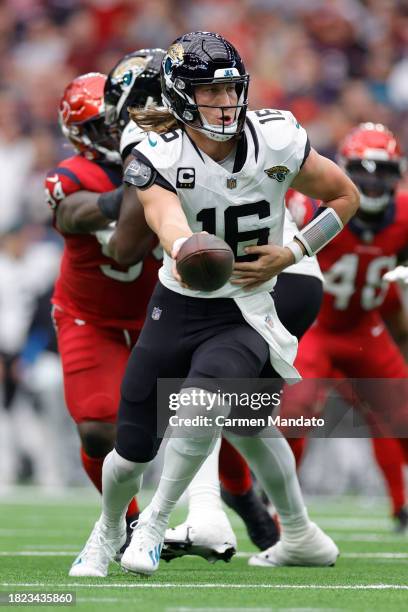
132,238
79,213
165,216
345,205
130,251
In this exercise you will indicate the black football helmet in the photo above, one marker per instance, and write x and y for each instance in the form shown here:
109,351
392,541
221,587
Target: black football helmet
134,81
200,58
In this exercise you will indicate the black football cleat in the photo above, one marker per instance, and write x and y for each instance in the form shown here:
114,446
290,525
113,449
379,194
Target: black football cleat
401,520
261,527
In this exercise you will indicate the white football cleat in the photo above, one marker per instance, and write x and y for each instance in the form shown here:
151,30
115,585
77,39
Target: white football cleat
208,535
314,548
142,556
98,552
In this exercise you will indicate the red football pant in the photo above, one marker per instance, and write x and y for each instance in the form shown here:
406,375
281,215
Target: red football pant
93,362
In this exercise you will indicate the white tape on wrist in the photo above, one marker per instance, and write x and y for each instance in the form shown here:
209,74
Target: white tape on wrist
316,234
177,244
295,248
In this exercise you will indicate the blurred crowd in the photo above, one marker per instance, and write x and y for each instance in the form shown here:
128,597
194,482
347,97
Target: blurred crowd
333,63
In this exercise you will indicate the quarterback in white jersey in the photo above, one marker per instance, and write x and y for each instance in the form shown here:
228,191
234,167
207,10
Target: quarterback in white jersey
195,171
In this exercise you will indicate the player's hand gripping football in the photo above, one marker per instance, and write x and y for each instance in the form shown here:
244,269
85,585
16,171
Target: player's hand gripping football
174,251
272,259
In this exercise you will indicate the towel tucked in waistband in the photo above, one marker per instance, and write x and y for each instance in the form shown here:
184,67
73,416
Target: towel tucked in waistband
260,313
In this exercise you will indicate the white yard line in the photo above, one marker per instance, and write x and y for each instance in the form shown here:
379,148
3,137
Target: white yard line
351,555
242,555
212,585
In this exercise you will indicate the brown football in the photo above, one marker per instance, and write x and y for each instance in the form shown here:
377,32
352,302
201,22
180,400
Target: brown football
205,262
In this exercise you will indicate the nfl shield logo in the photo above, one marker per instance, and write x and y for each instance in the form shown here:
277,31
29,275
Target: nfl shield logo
156,313
269,320
231,183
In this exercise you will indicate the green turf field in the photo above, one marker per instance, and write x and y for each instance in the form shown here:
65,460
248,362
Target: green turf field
40,534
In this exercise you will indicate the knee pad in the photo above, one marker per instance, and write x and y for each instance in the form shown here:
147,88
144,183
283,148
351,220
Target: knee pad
136,443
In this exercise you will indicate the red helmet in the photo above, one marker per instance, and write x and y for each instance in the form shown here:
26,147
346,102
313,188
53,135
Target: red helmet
82,118
372,157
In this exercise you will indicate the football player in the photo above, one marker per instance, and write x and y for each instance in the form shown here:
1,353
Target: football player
212,537
212,166
99,306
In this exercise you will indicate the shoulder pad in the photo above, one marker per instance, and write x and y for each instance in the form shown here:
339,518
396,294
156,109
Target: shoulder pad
131,136
278,127
162,150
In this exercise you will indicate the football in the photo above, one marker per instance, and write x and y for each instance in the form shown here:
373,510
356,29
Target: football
205,262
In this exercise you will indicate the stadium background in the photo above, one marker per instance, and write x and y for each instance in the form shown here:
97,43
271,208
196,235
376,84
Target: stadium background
333,63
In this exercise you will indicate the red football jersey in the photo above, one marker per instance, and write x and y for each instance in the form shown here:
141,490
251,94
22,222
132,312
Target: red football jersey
354,263
92,286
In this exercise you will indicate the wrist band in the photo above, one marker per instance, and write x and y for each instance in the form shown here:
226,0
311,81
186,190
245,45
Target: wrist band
316,234
296,250
177,244
110,202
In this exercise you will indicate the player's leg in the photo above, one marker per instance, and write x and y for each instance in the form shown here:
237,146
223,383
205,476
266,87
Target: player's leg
387,415
389,457
302,542
157,354
226,350
297,299
206,531
239,493
91,387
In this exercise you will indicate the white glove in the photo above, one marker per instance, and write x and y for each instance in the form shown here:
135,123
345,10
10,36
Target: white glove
398,275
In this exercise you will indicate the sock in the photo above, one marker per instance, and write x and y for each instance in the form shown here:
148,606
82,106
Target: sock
182,460
390,459
93,467
235,474
403,442
298,446
133,508
273,464
121,480
204,490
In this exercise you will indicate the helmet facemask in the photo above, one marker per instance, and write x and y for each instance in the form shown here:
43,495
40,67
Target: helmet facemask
191,113
376,182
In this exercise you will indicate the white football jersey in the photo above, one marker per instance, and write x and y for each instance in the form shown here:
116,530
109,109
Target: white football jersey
131,136
245,207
